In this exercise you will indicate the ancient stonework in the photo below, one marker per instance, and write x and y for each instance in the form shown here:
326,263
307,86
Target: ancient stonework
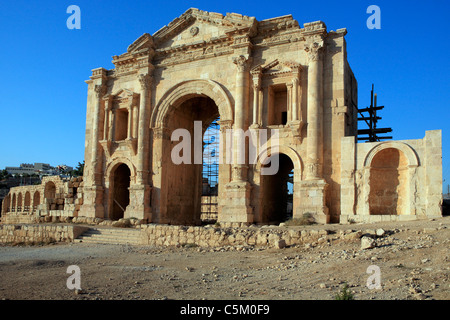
255,76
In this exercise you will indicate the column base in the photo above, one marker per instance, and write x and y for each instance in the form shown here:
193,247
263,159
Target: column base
92,202
236,205
139,206
312,193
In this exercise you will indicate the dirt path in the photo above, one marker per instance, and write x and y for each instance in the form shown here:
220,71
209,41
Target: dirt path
413,261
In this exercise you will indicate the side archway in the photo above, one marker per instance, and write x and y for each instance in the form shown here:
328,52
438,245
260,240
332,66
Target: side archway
390,166
278,188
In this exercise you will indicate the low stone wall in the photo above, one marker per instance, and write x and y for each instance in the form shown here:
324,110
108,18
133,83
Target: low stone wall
24,233
165,235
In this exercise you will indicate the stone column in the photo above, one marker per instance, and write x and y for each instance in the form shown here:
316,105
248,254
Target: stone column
256,75
296,121
145,83
93,190
241,99
96,159
236,204
314,145
135,121
295,99
313,189
129,124
140,191
106,122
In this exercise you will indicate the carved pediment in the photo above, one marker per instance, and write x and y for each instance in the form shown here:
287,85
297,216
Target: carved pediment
195,26
123,98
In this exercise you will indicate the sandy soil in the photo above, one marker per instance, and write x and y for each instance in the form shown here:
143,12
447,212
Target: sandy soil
413,259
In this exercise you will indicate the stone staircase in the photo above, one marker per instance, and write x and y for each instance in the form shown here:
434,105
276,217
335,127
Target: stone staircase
110,236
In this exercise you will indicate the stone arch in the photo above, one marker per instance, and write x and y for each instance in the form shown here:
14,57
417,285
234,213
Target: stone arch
291,153
6,206
114,163
19,202
406,149
14,203
177,187
27,202
119,192
36,200
186,90
389,182
50,190
271,202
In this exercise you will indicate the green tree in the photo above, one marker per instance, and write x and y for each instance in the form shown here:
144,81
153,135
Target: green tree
78,171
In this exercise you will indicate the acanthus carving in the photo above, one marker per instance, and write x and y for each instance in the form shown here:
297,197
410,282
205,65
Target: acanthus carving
314,48
241,62
145,81
99,90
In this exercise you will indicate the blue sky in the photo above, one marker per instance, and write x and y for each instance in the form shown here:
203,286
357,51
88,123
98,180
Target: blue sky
44,65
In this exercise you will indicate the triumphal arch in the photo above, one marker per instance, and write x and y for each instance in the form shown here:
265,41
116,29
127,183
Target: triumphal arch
245,76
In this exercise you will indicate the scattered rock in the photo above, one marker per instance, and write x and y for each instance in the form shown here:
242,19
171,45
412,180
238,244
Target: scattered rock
380,232
280,244
367,243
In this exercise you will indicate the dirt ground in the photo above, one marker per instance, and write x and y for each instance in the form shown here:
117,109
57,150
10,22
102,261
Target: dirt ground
413,260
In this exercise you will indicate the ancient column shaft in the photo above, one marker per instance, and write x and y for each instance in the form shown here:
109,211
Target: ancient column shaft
96,160
242,86
145,82
314,144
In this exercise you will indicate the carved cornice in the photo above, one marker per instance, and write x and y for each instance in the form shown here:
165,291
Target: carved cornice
199,50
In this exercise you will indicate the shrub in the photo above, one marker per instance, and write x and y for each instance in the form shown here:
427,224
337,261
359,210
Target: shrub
306,219
345,294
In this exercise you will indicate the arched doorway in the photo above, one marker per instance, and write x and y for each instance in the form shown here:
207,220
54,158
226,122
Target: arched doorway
19,202
183,162
120,191
14,203
36,200
50,190
27,203
388,182
276,193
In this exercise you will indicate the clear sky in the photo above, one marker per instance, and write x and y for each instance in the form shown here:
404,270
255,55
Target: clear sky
43,64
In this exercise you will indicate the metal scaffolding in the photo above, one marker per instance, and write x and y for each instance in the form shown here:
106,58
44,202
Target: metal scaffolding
210,173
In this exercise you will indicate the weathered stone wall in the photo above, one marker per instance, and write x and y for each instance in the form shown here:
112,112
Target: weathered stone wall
55,196
392,180
13,233
164,235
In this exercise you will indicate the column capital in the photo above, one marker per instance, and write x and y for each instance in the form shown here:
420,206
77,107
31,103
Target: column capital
145,80
313,48
242,62
99,90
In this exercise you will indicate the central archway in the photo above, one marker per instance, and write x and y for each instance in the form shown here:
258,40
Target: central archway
177,188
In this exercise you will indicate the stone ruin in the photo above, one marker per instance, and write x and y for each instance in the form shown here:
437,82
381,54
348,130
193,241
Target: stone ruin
252,76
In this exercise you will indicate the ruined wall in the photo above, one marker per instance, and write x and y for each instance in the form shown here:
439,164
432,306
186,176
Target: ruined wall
39,233
55,196
394,180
